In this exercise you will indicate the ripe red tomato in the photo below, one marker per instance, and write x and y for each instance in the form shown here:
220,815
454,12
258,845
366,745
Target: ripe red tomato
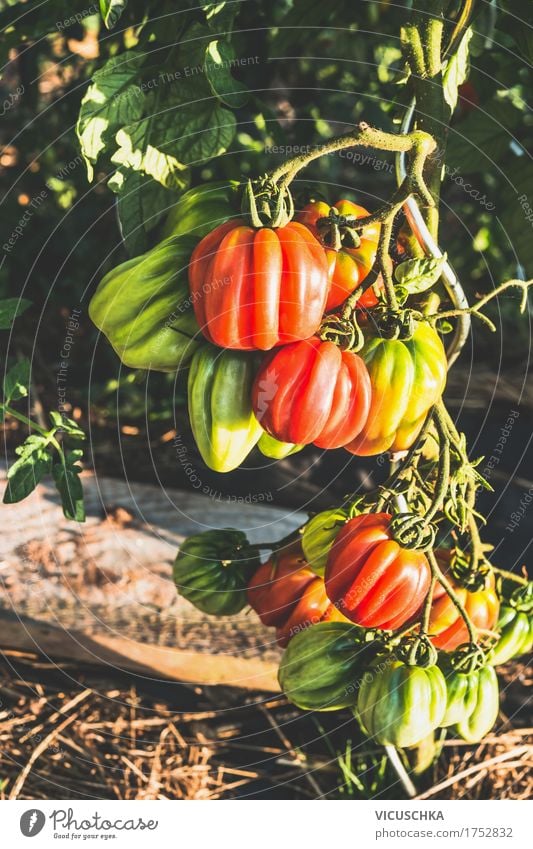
446,623
373,580
287,595
312,391
348,266
254,289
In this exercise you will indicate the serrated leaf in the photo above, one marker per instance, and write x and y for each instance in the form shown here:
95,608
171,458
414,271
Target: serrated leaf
26,472
418,275
219,59
181,133
141,203
66,425
111,10
16,381
10,308
145,147
456,70
67,481
112,100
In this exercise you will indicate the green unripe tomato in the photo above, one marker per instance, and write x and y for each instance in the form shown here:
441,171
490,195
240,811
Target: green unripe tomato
143,306
212,569
220,407
319,535
202,208
322,666
400,705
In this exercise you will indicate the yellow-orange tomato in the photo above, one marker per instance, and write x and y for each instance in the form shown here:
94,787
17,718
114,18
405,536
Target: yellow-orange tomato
347,266
446,624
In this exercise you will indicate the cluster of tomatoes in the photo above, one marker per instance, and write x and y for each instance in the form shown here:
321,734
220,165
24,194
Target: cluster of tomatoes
241,310
267,289
337,595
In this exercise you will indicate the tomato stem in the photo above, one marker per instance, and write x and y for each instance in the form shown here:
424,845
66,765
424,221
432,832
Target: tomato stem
475,310
443,581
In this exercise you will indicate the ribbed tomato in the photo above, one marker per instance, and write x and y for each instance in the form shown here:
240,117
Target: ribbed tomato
347,266
288,596
312,391
446,623
257,288
407,378
373,580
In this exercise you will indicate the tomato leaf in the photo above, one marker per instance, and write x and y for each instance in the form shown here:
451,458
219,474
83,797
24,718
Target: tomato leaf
16,381
112,100
418,275
26,472
456,70
141,203
66,425
219,58
180,132
67,481
111,10
219,16
10,308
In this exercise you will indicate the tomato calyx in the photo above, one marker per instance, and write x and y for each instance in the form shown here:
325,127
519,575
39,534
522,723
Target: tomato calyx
416,650
521,599
265,204
462,572
467,658
338,231
413,531
342,331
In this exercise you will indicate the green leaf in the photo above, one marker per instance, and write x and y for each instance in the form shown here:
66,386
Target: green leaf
515,221
111,10
112,100
141,204
67,481
220,16
418,275
10,308
16,381
456,70
219,59
518,24
66,425
484,136
26,472
180,133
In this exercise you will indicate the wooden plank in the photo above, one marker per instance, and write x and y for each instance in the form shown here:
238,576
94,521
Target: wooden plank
149,661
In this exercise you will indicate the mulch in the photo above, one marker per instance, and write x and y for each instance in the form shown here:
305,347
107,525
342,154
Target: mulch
72,734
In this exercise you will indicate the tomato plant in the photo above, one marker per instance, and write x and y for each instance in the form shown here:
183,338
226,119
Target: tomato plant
350,256
448,627
407,378
373,580
318,537
311,391
220,407
472,702
287,595
258,288
398,704
212,568
516,635
202,208
322,666
143,308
